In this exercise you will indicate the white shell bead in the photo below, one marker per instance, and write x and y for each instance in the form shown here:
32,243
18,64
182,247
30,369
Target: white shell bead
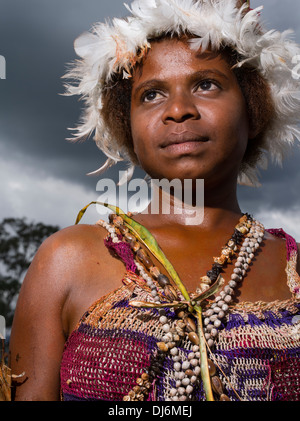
185,365
177,366
210,312
185,381
163,319
174,351
197,370
206,321
166,328
214,332
221,314
189,389
228,290
181,375
217,323
150,283
210,342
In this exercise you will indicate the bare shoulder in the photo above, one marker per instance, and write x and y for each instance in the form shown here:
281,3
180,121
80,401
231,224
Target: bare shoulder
77,261
274,241
274,252
73,239
269,271
61,281
63,254
278,247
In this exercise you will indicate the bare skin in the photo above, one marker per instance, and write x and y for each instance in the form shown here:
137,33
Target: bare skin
73,268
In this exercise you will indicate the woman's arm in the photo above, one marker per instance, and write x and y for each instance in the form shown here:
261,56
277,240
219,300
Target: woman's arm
69,272
38,333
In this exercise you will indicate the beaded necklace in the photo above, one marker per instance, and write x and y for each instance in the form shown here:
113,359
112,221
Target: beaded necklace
248,234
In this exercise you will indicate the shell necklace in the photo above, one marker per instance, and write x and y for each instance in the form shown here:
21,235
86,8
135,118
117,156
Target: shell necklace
248,234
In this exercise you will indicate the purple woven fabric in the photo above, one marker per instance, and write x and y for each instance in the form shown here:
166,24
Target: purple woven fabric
258,352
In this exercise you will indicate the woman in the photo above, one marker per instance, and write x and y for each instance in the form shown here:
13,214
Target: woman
187,90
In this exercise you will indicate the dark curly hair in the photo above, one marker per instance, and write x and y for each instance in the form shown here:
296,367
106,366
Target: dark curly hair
256,91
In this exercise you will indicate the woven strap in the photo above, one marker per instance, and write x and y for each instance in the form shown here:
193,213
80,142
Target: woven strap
291,244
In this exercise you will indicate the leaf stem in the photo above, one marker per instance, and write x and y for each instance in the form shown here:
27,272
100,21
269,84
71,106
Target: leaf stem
203,357
149,241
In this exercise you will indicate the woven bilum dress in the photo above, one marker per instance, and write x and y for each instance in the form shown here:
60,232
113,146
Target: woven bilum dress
257,347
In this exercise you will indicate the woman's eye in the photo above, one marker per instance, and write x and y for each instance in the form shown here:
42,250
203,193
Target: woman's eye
207,85
150,96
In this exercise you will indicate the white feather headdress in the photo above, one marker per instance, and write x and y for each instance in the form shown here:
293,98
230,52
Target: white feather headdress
113,47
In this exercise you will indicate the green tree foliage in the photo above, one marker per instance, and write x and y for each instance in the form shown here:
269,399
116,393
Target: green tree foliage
19,242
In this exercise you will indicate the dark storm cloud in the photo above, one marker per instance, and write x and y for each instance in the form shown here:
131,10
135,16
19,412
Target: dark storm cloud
36,38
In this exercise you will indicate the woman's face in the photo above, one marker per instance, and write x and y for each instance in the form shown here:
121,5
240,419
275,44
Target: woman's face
188,114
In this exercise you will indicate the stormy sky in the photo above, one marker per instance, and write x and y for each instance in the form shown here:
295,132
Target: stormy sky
42,176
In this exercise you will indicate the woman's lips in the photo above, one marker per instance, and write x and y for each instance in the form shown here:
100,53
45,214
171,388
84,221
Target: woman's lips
183,143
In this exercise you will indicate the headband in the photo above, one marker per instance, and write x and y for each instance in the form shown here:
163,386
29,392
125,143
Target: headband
115,47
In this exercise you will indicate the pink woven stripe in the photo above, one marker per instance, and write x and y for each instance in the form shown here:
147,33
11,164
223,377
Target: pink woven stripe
291,244
104,367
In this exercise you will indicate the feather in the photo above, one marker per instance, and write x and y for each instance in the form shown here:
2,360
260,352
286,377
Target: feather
112,47
108,163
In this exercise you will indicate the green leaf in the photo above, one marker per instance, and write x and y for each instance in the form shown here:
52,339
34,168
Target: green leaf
145,238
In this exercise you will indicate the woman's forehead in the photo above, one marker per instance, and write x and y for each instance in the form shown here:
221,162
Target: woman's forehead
176,55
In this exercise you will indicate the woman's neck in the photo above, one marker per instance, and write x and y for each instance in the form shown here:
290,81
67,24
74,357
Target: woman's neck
201,207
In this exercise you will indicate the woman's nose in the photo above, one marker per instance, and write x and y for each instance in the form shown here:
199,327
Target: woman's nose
179,108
